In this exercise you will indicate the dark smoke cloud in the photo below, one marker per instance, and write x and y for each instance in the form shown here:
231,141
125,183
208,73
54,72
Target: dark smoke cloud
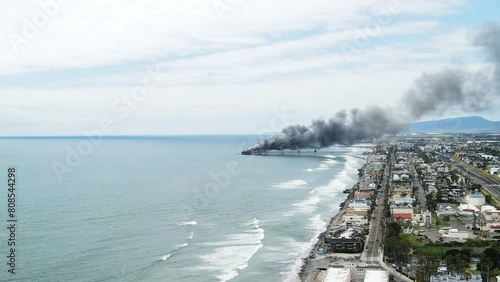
431,93
489,39
344,128
448,89
453,88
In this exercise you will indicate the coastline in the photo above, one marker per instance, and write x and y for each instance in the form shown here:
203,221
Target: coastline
308,263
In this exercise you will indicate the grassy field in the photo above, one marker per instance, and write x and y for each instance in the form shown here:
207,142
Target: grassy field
433,250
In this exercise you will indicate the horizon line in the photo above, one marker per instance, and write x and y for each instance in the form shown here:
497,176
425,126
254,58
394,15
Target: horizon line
133,135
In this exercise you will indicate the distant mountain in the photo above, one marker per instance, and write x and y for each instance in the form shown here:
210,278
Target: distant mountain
472,124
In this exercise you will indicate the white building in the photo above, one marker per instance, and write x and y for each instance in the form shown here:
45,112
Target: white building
337,275
354,219
406,201
375,275
476,200
495,170
456,234
487,208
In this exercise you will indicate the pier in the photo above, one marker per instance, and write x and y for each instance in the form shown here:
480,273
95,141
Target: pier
308,152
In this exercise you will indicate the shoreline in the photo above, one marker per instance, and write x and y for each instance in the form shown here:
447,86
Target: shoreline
305,268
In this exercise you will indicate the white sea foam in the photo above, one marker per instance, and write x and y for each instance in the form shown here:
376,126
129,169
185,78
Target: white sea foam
318,194
322,167
309,205
191,236
288,252
302,249
292,184
182,245
165,257
328,162
344,179
234,254
188,223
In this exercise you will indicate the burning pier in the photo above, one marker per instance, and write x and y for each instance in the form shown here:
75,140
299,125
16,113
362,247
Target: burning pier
287,153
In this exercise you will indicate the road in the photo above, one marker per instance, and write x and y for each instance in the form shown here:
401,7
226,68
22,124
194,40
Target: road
420,191
375,252
374,241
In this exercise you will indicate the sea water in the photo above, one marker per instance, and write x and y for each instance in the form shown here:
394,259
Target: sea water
166,208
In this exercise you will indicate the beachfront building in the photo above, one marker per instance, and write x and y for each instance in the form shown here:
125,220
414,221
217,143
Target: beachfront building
376,275
364,195
360,204
344,240
337,275
354,216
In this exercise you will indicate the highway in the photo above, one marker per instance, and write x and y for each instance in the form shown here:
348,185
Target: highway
487,183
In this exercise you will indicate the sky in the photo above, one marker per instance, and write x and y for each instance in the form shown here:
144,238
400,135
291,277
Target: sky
195,67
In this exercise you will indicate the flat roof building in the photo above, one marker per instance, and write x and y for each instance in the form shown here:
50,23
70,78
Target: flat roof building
375,275
337,275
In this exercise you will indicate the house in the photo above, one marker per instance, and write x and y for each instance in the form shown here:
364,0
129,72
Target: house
402,213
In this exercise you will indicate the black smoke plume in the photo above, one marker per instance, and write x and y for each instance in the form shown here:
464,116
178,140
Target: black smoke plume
431,93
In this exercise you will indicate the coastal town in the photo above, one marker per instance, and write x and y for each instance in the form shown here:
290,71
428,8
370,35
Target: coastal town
426,208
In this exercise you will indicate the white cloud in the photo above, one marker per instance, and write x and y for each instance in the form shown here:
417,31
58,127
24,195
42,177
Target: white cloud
222,76
85,34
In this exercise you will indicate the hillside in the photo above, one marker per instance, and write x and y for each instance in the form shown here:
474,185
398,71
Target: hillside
473,124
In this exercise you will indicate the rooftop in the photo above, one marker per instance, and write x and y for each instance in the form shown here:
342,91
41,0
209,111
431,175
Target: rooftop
337,274
373,275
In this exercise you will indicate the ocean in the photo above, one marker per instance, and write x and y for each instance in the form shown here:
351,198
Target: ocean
167,209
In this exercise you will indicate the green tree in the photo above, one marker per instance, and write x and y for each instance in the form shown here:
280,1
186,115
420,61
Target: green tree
428,268
457,263
495,245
